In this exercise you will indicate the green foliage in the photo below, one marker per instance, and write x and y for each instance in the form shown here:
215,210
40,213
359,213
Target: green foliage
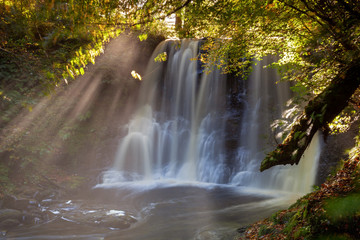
299,135
284,218
314,40
347,207
161,57
315,188
294,219
302,232
143,37
264,230
301,92
64,36
341,123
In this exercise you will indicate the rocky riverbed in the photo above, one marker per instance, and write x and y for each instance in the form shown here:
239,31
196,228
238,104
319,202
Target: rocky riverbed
16,212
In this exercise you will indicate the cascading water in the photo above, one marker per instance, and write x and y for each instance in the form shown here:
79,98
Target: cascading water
188,166
266,99
179,128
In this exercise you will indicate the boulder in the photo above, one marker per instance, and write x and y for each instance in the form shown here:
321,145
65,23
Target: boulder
115,222
9,223
45,194
10,214
12,202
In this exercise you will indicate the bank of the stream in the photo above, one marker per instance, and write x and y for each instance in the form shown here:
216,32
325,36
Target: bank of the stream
331,211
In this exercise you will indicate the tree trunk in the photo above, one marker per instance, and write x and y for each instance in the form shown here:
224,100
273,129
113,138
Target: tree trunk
178,22
317,114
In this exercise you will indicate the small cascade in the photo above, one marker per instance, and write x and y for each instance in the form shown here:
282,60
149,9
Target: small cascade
180,128
266,100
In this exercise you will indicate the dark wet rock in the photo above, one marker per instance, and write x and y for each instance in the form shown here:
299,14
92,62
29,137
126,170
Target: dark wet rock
13,217
335,148
34,217
100,218
10,218
12,202
31,212
80,212
45,194
8,201
18,210
242,229
9,223
24,204
10,214
115,222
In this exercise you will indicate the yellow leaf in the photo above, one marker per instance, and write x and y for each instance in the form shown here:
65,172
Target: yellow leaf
136,75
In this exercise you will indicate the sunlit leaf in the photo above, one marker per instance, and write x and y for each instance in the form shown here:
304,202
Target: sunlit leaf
143,37
135,75
162,57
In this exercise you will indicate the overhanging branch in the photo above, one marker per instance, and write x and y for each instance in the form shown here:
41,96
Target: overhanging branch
317,114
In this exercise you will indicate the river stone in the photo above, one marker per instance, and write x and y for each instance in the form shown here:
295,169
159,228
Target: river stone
98,217
8,201
9,223
242,229
12,202
31,218
115,222
45,194
10,214
24,204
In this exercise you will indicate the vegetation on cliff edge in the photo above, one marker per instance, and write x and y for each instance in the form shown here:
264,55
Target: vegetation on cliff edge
330,212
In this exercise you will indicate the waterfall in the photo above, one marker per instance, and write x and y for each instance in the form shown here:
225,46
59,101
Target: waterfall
266,99
179,129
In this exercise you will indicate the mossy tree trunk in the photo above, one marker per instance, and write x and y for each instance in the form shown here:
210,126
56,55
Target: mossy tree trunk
317,114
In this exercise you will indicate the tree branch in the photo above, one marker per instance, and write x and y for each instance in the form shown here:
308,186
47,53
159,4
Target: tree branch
179,8
317,114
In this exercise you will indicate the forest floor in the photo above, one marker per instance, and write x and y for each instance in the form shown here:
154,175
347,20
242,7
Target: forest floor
330,212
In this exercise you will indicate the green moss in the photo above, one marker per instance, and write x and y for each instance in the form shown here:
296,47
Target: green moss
302,232
264,230
291,225
343,208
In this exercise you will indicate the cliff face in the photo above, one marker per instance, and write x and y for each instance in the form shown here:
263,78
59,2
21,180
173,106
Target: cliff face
336,147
